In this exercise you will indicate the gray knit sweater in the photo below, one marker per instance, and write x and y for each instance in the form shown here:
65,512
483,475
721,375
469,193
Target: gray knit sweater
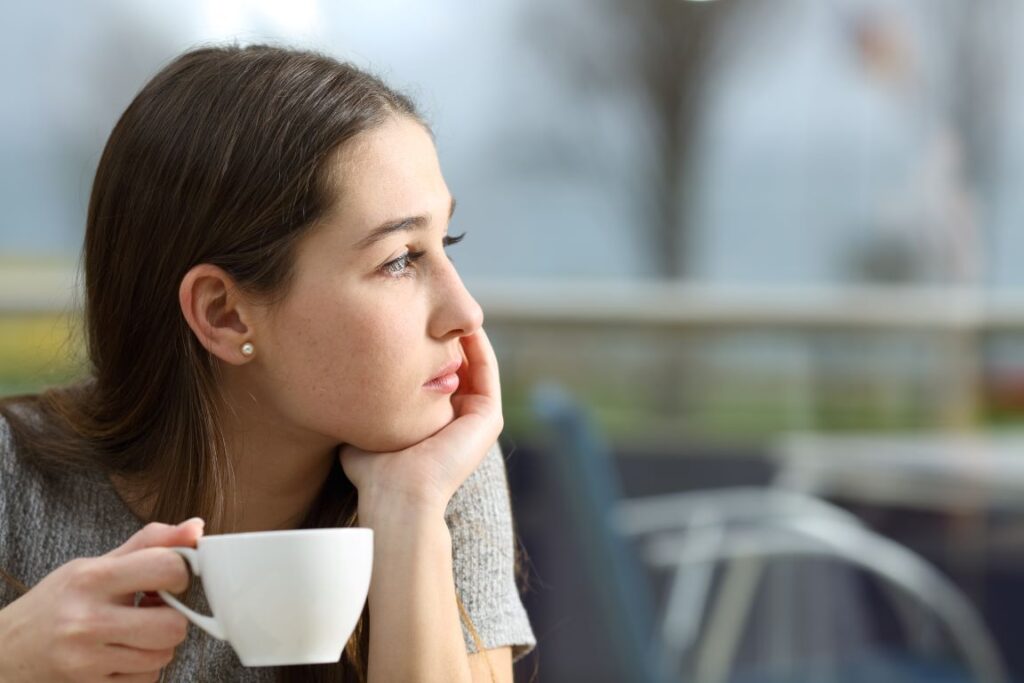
48,521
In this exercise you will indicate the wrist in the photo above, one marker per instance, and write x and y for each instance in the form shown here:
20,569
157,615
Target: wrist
382,508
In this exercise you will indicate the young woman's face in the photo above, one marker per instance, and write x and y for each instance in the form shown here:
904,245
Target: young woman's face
348,351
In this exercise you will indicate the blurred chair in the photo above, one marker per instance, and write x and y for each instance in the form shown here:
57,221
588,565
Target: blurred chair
583,467
693,535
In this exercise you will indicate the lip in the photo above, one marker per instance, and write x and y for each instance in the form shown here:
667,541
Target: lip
446,381
449,369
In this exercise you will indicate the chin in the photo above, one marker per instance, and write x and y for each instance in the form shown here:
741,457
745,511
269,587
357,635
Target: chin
432,424
409,434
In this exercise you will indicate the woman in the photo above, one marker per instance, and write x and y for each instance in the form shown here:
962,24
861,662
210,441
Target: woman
277,339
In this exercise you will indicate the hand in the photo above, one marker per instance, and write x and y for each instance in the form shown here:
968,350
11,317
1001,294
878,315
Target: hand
80,623
428,473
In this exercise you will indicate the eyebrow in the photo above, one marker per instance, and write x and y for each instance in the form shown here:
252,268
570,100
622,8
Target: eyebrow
390,227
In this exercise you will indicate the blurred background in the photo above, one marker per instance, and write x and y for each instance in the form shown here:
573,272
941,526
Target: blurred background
751,272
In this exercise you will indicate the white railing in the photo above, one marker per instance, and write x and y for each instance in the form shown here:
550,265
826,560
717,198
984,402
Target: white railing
43,289
672,305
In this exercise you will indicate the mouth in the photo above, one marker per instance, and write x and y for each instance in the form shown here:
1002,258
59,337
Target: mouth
447,380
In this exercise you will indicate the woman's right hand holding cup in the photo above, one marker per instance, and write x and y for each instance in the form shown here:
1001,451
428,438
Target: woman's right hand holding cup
80,623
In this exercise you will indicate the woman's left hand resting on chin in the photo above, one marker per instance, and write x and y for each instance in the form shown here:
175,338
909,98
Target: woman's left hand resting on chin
415,631
428,473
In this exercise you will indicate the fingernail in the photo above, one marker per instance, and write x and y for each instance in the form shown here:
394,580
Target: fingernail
201,521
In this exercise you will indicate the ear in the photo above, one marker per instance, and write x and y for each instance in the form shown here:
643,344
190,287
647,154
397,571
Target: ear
219,316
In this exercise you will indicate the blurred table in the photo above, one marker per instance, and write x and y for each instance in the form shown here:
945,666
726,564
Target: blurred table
934,472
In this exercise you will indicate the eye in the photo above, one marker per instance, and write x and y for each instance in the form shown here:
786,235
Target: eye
449,241
402,266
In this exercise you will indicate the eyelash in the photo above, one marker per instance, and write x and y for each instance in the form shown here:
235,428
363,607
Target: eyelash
401,266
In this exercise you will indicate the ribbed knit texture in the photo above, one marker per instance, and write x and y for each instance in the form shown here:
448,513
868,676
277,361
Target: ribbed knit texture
47,521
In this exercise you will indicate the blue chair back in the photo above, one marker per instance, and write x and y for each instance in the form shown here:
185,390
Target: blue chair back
581,462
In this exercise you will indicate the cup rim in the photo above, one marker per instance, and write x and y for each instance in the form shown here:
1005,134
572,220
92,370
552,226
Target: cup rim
287,533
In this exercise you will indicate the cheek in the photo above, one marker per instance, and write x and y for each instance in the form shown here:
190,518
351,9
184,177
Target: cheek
351,371
355,353
351,367
380,403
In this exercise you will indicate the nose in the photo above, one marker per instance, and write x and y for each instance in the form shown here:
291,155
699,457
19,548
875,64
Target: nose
456,312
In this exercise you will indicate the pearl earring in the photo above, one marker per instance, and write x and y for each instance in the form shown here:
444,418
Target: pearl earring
248,349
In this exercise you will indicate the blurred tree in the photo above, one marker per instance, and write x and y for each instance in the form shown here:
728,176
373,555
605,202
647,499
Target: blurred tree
658,52
670,46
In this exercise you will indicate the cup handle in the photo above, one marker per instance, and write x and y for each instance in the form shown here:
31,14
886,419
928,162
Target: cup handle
208,624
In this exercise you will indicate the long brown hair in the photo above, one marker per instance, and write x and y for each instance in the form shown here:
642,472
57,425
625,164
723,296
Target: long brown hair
222,158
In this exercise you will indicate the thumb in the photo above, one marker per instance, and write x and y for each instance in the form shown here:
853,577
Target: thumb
155,535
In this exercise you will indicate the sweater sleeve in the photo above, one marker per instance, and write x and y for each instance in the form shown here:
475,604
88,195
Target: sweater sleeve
479,518
7,592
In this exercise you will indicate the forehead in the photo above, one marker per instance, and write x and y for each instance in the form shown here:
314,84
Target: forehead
385,173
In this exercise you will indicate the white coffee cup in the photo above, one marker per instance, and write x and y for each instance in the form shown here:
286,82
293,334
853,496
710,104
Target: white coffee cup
282,597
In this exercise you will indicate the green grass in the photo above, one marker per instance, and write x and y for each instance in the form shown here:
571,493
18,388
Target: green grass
38,351
45,350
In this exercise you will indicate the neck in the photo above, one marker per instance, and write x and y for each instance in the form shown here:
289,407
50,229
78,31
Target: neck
277,478
278,473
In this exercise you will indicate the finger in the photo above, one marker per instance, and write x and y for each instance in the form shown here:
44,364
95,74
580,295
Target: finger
483,364
156,534
149,569
155,628
464,372
130,660
152,677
